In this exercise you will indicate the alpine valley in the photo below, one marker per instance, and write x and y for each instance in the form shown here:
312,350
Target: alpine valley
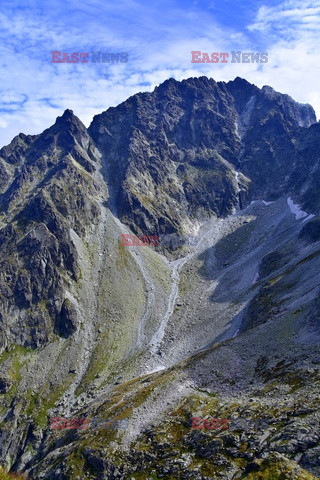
225,328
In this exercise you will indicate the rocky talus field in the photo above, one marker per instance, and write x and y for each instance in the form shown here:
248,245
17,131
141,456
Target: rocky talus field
156,341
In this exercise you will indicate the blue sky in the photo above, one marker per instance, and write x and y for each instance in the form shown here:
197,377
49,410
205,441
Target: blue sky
158,37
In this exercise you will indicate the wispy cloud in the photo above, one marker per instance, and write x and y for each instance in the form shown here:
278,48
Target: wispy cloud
158,37
286,16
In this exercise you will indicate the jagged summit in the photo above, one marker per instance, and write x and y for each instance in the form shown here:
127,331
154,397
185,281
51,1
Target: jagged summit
68,113
69,120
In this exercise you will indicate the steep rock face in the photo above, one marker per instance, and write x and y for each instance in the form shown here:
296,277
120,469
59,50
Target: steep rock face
173,154
304,178
267,124
12,158
311,231
50,194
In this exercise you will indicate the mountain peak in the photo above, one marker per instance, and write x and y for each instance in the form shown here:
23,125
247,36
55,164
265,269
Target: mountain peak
68,122
68,116
68,113
240,81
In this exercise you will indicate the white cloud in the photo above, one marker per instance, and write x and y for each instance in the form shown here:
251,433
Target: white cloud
285,14
159,41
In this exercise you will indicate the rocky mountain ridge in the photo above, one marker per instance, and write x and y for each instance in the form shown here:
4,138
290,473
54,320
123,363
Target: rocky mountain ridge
227,327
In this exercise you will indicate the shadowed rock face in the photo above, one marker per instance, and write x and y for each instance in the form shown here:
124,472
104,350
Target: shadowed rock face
49,194
235,318
311,231
172,154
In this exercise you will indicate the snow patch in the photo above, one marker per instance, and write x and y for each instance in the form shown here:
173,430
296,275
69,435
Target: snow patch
256,278
263,201
195,228
236,333
157,369
296,210
308,218
70,297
